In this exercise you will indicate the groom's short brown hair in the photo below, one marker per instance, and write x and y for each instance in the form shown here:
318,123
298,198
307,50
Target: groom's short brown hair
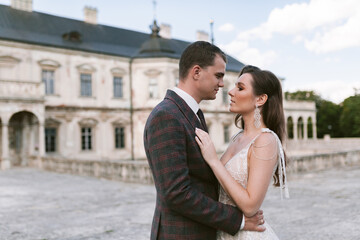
198,53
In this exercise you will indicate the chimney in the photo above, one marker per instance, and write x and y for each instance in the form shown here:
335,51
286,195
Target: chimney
90,15
165,31
202,36
24,5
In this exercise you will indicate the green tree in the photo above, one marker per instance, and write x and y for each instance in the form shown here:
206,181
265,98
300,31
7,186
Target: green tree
301,95
350,116
328,118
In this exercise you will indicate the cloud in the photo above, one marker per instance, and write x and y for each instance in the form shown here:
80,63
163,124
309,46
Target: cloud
227,27
338,38
248,55
330,24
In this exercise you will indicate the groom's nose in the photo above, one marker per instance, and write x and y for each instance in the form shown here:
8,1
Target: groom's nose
221,83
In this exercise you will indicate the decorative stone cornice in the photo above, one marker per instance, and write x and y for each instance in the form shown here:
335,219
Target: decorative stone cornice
8,61
118,71
152,73
86,68
88,122
52,122
48,63
121,121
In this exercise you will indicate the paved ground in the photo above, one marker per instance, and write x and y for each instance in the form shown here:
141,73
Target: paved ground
37,205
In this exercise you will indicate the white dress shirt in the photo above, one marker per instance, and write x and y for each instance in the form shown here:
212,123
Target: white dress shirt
190,101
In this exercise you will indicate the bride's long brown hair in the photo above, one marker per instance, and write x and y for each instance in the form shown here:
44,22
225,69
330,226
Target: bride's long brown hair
272,112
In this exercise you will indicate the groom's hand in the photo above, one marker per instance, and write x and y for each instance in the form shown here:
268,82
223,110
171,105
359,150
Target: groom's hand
255,223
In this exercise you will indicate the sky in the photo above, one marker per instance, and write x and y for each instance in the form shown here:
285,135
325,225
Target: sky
312,44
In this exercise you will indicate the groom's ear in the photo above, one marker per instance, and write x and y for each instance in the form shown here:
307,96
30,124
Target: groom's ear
195,72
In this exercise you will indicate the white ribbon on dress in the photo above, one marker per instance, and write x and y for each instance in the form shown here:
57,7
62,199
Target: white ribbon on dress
284,190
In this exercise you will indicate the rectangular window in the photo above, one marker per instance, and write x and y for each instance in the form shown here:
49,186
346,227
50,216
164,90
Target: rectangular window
153,88
86,89
225,96
118,87
119,137
50,139
48,80
226,133
86,138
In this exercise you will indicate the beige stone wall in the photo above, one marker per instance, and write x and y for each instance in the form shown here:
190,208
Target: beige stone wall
21,89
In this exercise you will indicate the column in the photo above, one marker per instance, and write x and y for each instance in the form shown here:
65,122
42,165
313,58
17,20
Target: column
305,131
69,135
314,131
41,143
5,163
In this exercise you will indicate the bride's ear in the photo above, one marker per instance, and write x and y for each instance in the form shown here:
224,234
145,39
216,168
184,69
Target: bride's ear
261,100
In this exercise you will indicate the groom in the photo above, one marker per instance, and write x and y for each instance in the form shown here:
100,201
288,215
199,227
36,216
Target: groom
187,190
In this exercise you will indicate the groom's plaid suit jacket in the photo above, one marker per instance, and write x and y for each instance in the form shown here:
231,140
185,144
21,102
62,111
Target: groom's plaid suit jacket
186,202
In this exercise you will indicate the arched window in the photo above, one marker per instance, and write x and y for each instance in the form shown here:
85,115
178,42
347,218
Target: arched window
300,126
290,128
309,128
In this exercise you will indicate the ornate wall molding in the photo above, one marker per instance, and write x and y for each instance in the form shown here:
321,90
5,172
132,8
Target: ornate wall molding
48,63
117,71
8,61
86,68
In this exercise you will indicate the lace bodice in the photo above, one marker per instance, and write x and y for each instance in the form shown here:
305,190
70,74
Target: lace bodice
237,166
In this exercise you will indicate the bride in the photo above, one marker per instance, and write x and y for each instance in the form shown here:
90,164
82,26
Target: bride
255,154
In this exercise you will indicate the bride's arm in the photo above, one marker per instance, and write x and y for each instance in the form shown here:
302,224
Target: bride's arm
261,162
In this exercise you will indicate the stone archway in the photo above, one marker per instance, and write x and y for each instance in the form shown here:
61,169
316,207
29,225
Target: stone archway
300,128
310,128
290,128
23,138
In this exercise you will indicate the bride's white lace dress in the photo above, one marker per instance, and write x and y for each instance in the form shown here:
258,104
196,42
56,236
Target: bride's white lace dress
237,167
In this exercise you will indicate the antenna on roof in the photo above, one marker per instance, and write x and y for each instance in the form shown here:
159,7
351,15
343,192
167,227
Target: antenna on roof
211,30
155,29
154,10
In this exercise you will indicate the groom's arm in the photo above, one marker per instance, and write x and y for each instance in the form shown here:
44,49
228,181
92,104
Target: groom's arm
166,142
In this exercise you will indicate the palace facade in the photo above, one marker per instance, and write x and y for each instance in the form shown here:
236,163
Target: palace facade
82,90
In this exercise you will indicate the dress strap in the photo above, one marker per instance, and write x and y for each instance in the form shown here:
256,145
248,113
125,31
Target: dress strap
281,163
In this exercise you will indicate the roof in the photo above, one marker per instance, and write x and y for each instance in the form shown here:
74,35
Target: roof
53,31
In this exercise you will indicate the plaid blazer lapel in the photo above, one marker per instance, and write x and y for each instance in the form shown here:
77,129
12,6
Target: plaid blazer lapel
184,108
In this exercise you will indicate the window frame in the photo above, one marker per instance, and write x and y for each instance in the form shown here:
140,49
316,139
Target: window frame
120,140
82,140
88,81
54,141
46,80
226,133
119,85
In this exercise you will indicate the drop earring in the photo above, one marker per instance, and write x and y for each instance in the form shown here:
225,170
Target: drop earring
257,116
